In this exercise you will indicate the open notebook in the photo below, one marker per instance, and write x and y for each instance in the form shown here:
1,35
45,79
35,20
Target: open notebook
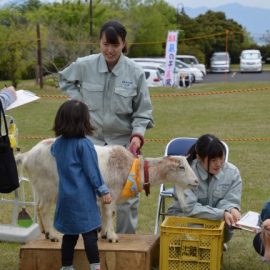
23,97
249,222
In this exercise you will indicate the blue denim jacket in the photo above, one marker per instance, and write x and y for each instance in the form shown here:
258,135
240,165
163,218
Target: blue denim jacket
80,181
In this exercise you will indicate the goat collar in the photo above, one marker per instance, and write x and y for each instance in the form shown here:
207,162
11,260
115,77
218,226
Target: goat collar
146,184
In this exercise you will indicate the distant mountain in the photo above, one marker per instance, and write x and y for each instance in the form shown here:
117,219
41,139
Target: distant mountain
255,20
4,3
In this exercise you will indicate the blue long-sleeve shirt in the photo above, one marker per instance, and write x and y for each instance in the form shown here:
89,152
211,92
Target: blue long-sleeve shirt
6,98
80,181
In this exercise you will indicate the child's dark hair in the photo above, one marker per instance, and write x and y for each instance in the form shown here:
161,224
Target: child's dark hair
112,30
207,145
72,120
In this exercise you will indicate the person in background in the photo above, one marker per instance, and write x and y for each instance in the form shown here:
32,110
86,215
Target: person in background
7,96
80,181
218,195
115,89
261,241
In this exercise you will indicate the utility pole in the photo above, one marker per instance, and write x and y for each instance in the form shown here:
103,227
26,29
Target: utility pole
227,39
226,50
179,10
90,24
39,76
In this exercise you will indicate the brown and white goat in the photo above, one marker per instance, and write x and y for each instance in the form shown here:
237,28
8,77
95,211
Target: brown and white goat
114,163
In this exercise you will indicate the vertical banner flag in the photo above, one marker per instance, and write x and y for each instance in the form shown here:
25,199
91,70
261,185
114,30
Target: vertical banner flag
171,50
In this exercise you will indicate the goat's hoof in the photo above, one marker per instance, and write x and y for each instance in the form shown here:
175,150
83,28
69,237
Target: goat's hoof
50,237
47,235
54,239
103,235
113,240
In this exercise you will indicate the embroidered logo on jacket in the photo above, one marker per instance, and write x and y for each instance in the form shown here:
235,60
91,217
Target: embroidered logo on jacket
126,84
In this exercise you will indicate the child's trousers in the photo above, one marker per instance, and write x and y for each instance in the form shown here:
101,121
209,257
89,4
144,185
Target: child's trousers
90,244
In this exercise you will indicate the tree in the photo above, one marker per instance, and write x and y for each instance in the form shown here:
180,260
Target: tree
150,32
65,32
266,37
15,47
211,32
265,49
66,27
30,5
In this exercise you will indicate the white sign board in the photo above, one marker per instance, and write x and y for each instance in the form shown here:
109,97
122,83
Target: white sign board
171,51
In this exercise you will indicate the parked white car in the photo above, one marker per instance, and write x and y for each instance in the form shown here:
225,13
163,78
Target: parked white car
161,69
192,61
181,79
250,61
195,74
153,77
220,62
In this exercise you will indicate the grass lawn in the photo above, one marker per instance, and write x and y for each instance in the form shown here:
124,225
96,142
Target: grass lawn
237,113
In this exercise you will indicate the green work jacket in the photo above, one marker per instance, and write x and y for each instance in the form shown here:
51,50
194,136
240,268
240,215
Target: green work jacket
213,196
118,100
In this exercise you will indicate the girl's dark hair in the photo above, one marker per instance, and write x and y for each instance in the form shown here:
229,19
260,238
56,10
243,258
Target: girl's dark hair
206,146
73,120
112,31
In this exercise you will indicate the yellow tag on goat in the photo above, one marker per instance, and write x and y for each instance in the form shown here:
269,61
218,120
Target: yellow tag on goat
133,183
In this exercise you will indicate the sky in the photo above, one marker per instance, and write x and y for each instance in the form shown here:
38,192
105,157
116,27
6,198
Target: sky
206,3
215,3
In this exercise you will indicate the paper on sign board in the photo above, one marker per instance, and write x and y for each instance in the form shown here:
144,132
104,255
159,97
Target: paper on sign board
23,97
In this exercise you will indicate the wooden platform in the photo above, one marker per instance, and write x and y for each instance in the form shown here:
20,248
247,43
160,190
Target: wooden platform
132,252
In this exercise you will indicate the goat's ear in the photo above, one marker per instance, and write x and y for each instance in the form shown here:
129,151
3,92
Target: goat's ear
172,163
181,165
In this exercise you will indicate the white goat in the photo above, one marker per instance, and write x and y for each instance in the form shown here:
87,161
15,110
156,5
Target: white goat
114,163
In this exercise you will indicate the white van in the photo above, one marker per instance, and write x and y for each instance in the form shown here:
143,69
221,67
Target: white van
250,61
220,62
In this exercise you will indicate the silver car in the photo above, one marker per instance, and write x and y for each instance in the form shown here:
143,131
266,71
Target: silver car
220,62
